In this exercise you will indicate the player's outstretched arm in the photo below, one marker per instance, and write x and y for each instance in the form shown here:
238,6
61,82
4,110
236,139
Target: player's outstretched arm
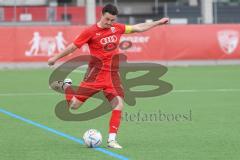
141,27
69,49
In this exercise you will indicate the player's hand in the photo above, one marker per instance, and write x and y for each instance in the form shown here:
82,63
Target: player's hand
51,61
164,21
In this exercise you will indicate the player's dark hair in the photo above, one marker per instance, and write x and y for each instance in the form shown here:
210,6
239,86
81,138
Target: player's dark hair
109,8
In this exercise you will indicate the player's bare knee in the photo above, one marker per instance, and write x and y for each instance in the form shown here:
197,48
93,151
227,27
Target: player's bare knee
117,103
120,106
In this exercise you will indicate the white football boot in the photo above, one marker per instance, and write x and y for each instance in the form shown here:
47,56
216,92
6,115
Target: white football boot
114,144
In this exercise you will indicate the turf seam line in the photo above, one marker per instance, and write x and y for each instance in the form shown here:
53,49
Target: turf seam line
112,154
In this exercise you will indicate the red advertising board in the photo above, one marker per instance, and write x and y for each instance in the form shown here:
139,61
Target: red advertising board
176,42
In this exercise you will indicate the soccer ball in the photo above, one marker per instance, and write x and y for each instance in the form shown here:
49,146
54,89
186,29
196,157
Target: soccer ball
92,138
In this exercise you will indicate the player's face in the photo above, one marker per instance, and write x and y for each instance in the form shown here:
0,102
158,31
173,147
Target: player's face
107,20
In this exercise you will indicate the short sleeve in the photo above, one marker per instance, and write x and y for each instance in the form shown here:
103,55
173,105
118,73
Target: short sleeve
83,38
121,28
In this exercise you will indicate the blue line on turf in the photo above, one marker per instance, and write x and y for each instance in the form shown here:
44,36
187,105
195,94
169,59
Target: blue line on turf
115,155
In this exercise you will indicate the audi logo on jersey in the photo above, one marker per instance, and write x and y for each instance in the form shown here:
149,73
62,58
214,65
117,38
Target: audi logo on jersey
109,39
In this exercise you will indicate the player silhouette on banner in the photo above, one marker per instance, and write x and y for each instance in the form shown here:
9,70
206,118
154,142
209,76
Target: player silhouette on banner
35,42
60,42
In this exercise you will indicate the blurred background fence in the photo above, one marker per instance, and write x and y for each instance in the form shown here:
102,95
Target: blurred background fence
134,11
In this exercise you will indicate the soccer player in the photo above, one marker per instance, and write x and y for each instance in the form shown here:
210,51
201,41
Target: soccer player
102,39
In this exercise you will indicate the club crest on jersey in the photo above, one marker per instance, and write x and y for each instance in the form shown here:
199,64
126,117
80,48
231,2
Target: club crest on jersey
228,40
113,29
98,34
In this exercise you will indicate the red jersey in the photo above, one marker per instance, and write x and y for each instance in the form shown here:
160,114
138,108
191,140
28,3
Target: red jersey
103,43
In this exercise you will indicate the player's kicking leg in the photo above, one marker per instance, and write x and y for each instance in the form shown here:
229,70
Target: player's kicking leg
117,104
66,86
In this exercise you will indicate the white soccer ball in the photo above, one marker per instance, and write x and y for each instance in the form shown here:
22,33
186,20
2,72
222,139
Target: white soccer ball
92,138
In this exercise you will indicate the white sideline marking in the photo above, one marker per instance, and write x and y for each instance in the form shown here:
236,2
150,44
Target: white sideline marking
173,91
205,90
27,94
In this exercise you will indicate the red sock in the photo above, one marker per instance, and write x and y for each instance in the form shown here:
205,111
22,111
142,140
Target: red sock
115,121
69,93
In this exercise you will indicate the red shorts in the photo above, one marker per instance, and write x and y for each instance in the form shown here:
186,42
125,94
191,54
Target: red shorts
100,80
